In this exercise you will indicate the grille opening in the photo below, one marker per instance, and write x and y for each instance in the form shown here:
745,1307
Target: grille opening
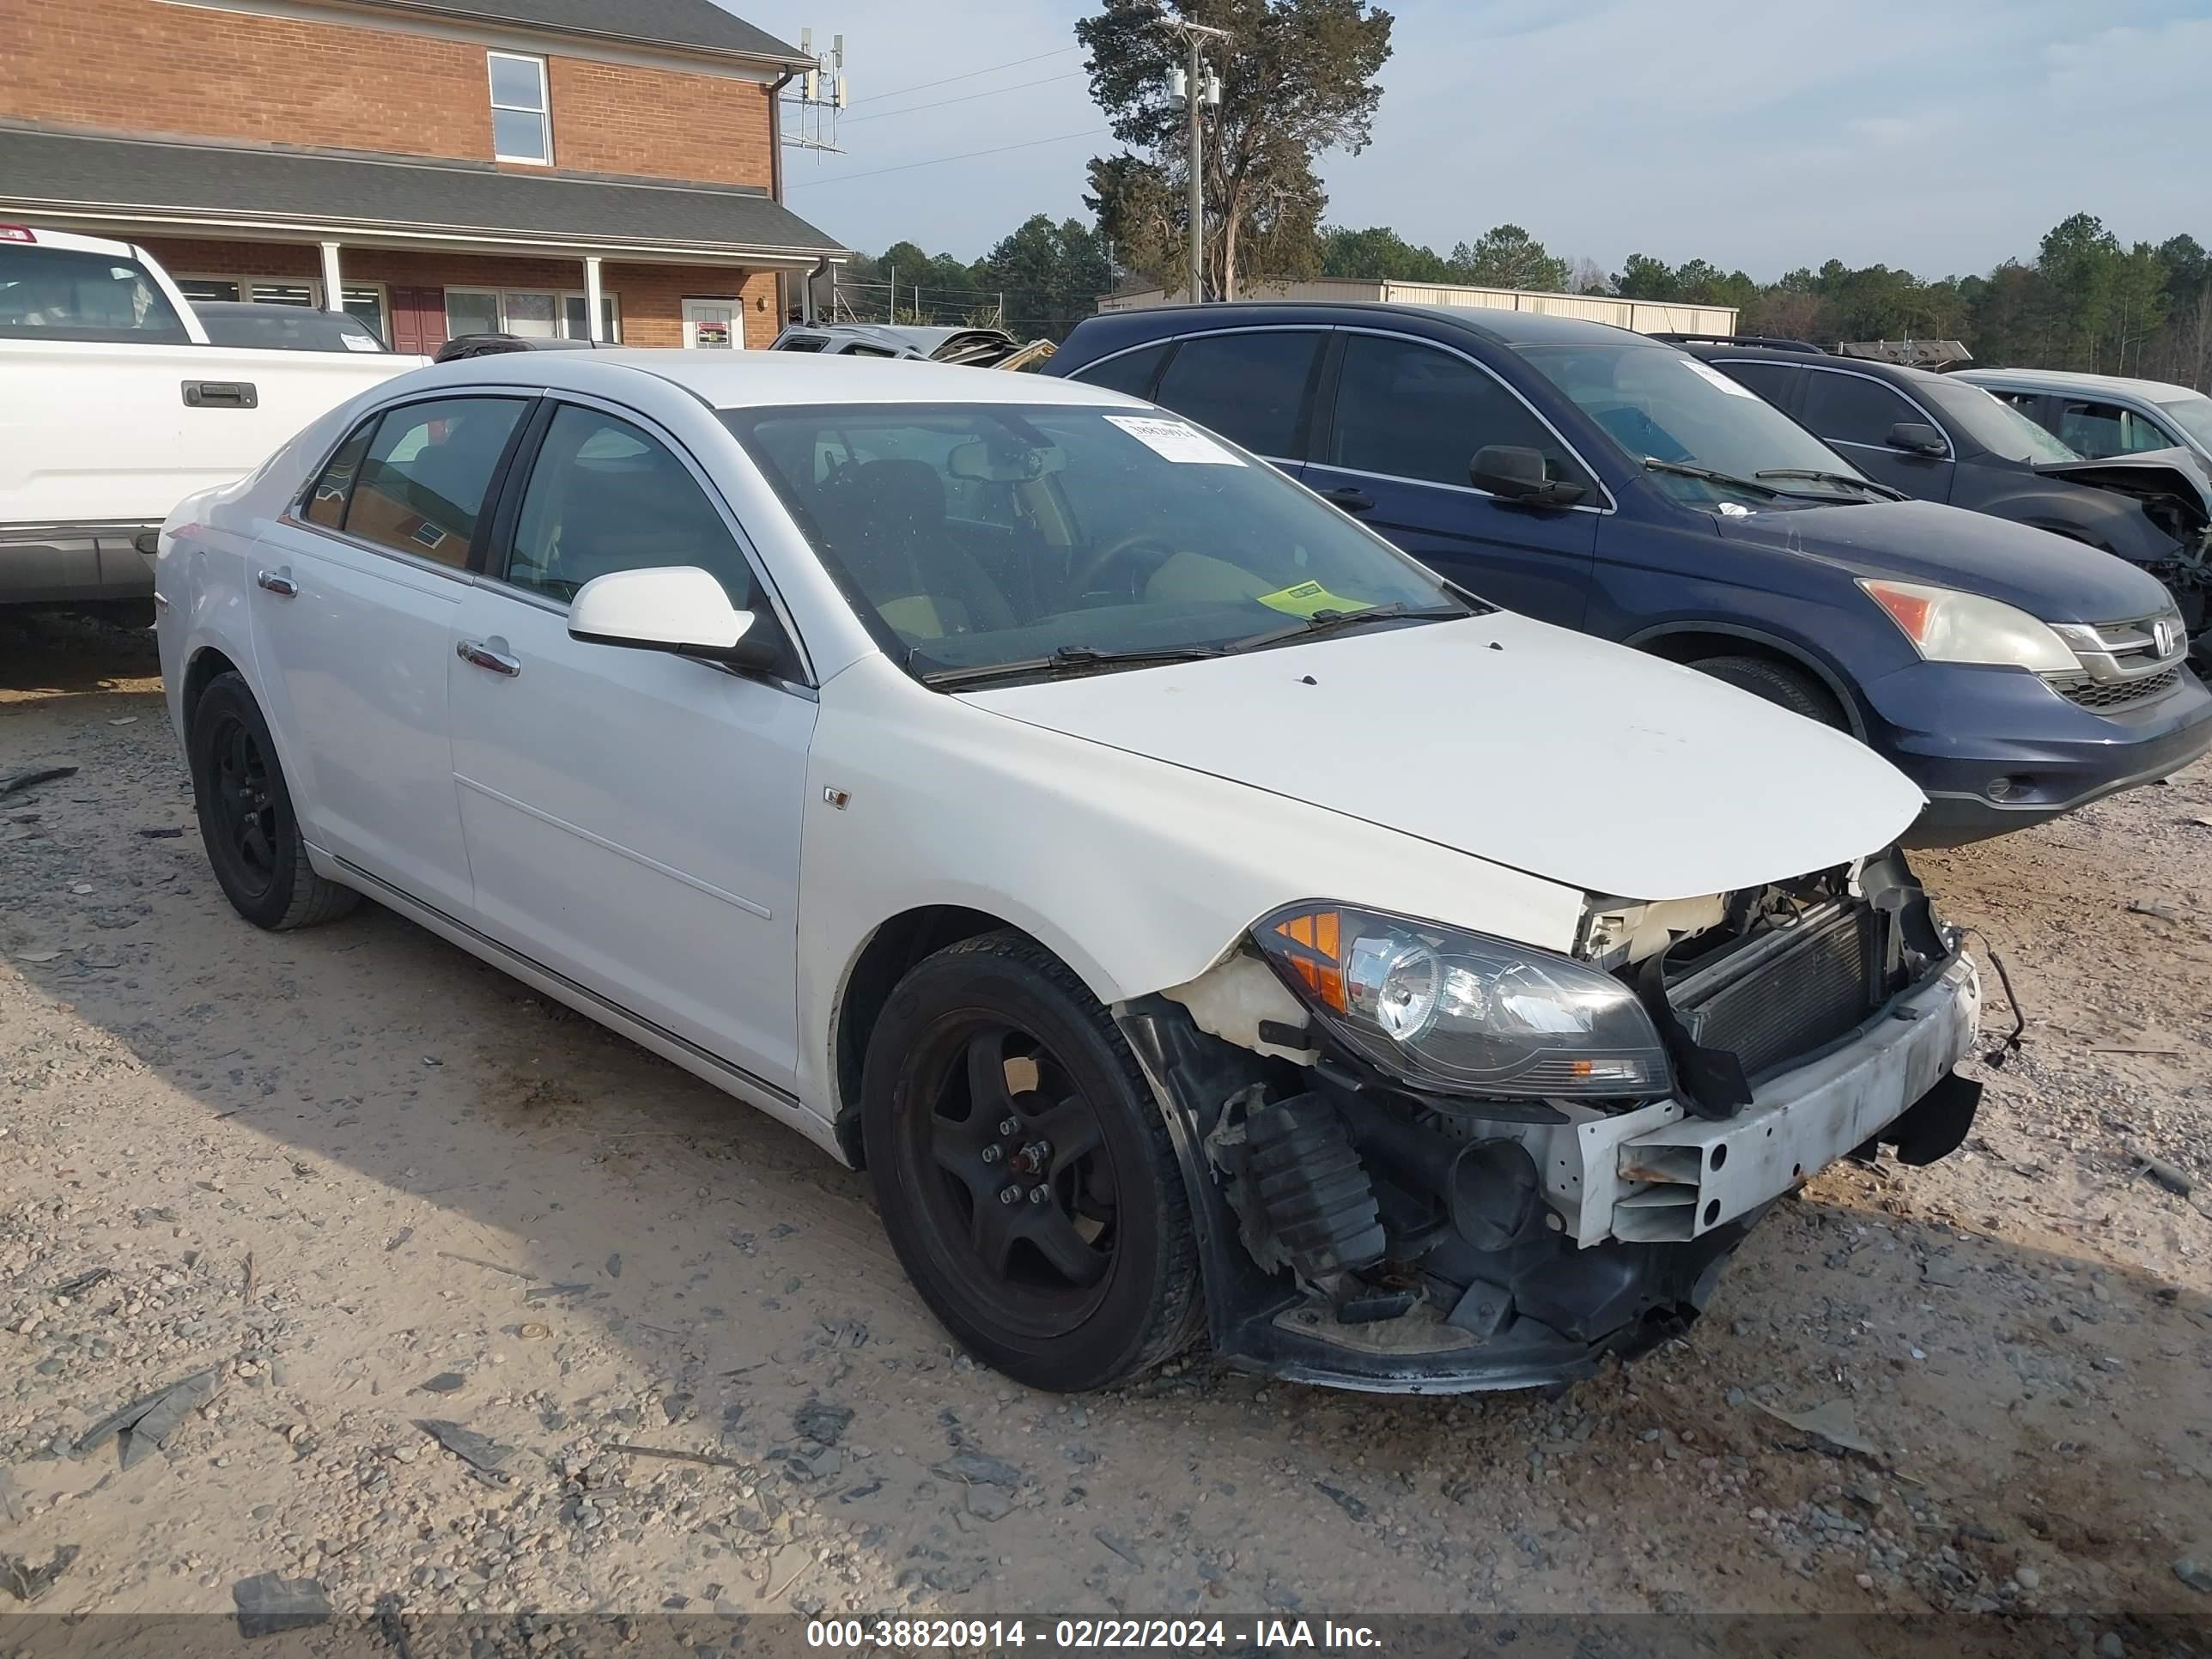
2116,694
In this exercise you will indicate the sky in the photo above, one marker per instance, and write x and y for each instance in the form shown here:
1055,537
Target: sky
1941,136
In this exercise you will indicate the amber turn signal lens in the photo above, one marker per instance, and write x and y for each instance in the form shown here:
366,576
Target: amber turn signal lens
1316,938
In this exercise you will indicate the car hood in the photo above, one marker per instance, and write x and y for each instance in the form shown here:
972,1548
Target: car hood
1521,743
2173,472
2045,576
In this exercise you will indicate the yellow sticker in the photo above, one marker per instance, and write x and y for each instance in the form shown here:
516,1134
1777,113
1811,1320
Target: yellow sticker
1304,598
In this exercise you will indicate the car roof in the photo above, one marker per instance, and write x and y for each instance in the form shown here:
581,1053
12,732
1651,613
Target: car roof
2057,379
1505,328
1873,366
761,379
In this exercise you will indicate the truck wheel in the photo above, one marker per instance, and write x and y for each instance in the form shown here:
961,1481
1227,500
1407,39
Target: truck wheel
246,821
1024,1170
1787,688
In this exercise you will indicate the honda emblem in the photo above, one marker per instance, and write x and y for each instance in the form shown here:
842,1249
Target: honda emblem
2165,635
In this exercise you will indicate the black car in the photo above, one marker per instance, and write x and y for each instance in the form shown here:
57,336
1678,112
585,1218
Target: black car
1941,439
261,325
1607,482
492,345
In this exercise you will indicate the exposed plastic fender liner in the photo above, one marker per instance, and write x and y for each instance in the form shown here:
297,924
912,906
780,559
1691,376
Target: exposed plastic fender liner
1845,698
1936,1125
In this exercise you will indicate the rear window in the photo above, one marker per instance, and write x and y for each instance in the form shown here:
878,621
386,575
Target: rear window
60,294
284,328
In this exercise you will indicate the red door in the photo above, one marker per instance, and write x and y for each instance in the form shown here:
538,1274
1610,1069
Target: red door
418,319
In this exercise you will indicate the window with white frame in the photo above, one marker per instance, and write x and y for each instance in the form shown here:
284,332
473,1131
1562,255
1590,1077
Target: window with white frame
361,300
535,313
521,109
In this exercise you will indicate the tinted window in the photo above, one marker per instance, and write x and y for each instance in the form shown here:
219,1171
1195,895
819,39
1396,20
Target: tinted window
327,502
1850,409
1772,381
285,328
1131,371
1142,532
1250,386
422,484
1410,410
605,496
2100,429
52,293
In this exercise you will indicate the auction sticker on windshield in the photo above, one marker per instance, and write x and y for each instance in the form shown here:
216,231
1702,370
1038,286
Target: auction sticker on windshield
1174,439
1706,373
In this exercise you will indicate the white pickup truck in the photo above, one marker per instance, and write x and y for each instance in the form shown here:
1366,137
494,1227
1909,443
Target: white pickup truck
114,407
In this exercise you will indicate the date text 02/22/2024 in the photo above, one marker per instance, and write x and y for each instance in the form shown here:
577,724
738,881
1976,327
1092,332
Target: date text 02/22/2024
1087,1635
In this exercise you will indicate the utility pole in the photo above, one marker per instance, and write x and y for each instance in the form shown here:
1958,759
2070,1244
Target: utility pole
1197,91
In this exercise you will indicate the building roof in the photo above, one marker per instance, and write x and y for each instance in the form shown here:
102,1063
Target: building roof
47,176
696,25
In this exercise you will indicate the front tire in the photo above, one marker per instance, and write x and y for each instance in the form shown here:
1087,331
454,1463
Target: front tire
1026,1175
1786,688
246,822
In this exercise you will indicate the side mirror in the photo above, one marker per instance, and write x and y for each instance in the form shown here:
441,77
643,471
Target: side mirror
1916,438
675,608
1517,474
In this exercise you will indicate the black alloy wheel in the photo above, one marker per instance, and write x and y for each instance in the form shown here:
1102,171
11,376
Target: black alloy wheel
1025,1172
246,822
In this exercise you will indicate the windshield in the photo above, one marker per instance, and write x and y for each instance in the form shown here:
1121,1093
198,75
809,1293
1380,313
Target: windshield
284,328
1661,404
1993,424
970,536
2193,415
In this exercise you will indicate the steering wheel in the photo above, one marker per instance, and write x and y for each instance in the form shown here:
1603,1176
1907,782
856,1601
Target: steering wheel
1085,580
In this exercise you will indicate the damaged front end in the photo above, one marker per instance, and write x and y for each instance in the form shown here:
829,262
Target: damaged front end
1424,1160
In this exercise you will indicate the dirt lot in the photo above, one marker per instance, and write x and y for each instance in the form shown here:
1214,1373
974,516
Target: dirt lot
368,1182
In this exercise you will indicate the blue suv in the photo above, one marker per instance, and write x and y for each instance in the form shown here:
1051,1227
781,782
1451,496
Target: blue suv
1607,482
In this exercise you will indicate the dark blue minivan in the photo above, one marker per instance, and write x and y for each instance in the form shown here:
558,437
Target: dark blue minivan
1604,481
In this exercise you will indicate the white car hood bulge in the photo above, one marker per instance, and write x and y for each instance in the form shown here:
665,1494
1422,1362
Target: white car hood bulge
1553,753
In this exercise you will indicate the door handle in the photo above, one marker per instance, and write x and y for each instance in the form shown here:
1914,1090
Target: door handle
277,582
1351,500
480,653
220,394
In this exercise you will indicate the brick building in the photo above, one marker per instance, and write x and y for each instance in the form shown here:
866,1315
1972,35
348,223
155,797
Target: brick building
435,166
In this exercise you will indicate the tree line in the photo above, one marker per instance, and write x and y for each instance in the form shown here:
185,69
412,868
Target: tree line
1299,79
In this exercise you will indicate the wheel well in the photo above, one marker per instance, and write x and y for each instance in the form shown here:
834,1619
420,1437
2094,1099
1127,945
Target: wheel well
1693,647
894,947
205,664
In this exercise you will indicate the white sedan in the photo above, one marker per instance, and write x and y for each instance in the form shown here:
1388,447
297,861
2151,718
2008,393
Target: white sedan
1194,913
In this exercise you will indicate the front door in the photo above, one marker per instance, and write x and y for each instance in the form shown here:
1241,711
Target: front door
1408,419
632,818
1856,413
714,326
353,611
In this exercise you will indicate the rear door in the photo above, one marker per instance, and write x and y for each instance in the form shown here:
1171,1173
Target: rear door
1255,386
1855,412
2100,429
1404,419
353,608
632,817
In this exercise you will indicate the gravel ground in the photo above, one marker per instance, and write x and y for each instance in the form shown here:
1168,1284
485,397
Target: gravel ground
394,1213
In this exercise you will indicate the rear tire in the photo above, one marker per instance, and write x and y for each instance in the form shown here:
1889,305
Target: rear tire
1785,688
1088,1272
246,822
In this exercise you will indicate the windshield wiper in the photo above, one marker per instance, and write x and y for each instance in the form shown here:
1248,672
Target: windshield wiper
1325,621
1728,480
1067,660
1813,475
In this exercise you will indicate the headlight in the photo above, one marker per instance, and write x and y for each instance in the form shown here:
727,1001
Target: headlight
1946,625
1461,1012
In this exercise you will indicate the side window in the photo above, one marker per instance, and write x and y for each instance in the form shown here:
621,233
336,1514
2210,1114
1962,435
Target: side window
1850,408
1409,411
422,484
1772,381
1251,386
58,294
327,502
1131,371
2101,429
606,495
